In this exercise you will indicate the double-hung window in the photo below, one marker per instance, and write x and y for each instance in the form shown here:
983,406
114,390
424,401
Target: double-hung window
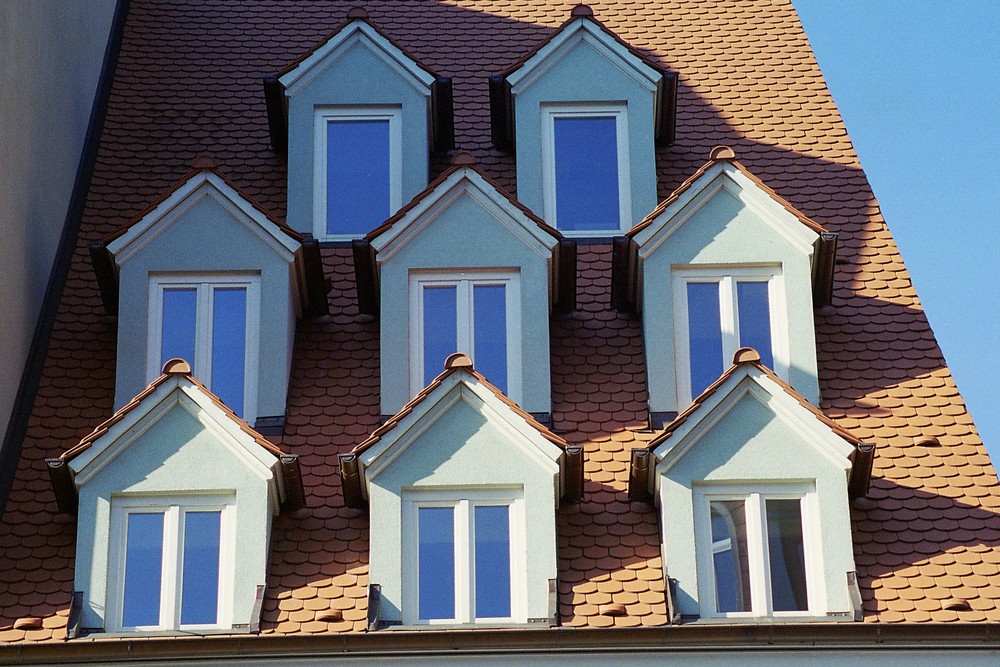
465,557
172,563
475,312
756,550
716,312
585,168
212,322
357,171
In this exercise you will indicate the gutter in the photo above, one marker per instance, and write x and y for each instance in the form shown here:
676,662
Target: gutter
831,639
17,427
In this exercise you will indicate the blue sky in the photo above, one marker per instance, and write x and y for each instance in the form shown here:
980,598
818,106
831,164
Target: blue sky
917,84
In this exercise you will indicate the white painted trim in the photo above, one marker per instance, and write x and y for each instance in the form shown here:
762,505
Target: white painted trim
754,495
463,181
727,277
464,500
172,507
201,186
357,32
464,280
323,115
724,176
583,31
618,111
205,285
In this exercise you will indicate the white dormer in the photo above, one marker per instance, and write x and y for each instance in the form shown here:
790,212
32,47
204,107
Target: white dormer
724,263
585,112
191,278
456,537
361,117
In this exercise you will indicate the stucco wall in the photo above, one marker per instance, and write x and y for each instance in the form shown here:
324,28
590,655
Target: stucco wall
51,53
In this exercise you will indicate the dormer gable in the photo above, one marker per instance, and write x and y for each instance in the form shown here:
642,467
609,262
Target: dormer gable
205,238
715,182
173,462
359,118
751,473
443,450
466,236
584,86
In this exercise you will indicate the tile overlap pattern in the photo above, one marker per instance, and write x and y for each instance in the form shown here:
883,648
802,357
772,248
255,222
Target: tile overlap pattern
189,83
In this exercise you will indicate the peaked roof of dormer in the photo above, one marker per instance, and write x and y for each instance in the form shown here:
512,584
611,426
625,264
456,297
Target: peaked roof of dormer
581,25
205,180
459,371
358,29
668,216
747,367
176,377
383,241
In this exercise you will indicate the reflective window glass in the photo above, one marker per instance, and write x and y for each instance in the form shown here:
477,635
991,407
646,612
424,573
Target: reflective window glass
755,319
436,562
177,331
440,328
492,561
786,555
357,175
200,568
586,173
704,335
490,333
229,333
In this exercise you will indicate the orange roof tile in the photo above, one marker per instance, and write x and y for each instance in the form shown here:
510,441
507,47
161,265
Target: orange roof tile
188,82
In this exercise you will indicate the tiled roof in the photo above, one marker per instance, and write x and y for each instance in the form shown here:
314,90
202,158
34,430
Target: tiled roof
189,82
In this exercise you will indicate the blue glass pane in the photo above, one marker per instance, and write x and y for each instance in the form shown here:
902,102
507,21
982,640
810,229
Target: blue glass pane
357,175
755,319
786,555
200,593
492,561
490,342
177,331
143,569
704,335
586,157
229,342
440,329
436,562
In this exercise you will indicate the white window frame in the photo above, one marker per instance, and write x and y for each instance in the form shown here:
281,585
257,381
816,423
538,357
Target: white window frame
727,277
464,501
201,366
464,281
616,110
324,114
754,496
171,585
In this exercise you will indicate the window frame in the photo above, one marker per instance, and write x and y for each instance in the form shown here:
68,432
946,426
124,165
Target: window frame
171,581
464,501
321,116
550,113
754,497
727,277
201,366
465,281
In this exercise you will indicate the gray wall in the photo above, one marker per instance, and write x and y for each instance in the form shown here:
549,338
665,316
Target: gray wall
51,53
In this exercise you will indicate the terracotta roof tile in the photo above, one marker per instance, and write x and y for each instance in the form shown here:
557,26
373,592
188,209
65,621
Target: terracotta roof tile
188,83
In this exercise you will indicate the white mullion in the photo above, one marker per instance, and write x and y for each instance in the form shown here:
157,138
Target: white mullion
760,582
169,571
463,318
203,333
463,563
728,320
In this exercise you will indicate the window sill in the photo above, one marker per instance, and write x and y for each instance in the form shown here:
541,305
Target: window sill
830,617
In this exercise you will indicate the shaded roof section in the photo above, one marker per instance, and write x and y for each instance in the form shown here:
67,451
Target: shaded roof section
189,82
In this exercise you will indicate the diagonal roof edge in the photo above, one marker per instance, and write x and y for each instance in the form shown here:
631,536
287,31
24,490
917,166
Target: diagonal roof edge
584,12
720,155
748,357
353,15
184,180
456,363
437,182
173,368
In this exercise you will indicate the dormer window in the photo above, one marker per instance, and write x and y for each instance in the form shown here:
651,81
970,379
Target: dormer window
586,167
358,180
359,119
213,321
583,113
